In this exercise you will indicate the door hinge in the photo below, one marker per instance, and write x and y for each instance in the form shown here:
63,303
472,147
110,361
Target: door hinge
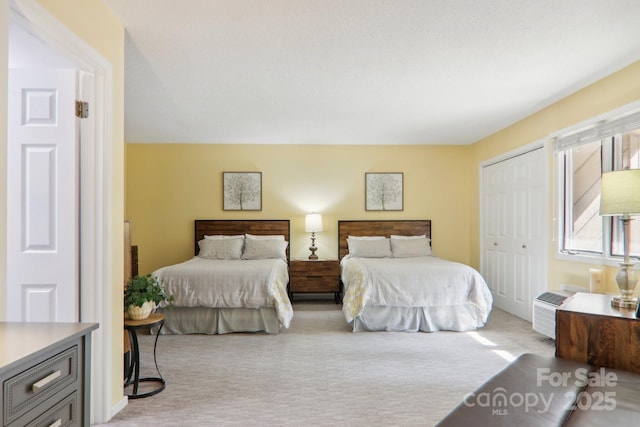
82,109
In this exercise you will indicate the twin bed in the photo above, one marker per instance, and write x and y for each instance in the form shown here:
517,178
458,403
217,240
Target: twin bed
237,280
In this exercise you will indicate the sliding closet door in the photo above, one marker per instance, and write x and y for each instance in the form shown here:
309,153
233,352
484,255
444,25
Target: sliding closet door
514,194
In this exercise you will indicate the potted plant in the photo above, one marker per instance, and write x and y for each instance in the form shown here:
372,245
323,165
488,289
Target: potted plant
142,295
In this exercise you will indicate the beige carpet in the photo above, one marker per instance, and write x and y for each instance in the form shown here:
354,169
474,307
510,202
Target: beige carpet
318,373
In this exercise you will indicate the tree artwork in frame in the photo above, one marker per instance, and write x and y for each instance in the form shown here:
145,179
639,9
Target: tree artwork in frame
384,191
242,191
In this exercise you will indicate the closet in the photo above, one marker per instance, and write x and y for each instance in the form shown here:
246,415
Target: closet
514,229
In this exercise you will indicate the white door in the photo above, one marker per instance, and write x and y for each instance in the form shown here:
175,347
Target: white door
42,216
513,230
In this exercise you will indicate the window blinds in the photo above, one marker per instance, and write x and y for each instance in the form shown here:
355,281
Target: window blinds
603,129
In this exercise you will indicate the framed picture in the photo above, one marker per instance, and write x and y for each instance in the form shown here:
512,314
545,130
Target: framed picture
242,191
384,191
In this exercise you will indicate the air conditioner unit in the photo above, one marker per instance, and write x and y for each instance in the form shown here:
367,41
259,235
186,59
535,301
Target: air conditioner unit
544,311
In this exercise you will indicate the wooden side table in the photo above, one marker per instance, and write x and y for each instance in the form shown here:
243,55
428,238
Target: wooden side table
133,376
314,276
589,330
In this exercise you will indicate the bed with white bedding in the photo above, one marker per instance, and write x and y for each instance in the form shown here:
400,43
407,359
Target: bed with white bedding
236,282
392,282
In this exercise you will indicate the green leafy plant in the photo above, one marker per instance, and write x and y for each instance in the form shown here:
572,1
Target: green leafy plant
141,289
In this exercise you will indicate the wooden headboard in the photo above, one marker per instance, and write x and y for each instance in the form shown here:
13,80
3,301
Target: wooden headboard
211,227
379,228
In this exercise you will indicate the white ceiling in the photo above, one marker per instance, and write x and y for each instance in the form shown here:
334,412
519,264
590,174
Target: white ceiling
360,71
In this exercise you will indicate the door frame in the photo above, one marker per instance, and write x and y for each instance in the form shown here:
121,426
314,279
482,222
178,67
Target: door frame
96,196
539,144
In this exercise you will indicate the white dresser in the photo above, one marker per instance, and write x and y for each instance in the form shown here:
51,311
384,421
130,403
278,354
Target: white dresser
45,372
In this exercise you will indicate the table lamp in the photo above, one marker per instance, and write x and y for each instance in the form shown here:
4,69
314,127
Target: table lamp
313,224
620,196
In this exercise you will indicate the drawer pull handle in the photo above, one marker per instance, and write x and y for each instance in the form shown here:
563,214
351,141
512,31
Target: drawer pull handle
36,387
58,423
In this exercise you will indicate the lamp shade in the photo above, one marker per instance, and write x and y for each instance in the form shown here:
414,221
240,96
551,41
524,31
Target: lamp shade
620,193
313,222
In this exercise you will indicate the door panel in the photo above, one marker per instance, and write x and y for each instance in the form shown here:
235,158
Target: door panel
42,271
39,303
39,198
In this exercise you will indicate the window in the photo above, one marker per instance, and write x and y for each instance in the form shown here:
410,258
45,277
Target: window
583,225
582,157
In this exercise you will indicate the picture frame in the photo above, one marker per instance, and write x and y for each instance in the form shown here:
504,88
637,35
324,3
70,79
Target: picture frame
242,191
384,191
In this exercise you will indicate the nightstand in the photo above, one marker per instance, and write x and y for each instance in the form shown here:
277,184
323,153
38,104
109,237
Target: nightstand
589,330
314,276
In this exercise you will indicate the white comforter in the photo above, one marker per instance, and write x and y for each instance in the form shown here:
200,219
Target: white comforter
201,282
411,282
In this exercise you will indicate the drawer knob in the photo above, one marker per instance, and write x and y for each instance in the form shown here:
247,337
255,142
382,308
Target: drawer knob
36,387
58,423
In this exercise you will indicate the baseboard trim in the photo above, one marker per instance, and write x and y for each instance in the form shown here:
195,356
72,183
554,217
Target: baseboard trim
122,403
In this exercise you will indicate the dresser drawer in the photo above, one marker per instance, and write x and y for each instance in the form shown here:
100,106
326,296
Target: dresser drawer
64,414
26,390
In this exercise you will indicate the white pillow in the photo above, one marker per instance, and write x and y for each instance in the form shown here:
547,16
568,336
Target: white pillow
395,236
224,236
369,248
220,248
407,248
265,236
265,249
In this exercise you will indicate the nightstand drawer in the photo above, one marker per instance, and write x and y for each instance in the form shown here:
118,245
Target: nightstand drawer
314,284
23,392
314,268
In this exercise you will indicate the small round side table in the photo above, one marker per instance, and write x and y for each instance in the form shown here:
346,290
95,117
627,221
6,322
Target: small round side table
133,376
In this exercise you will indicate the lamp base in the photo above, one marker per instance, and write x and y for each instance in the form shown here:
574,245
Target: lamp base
626,280
313,247
620,302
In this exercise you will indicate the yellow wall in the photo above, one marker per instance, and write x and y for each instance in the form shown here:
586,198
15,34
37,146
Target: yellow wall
610,93
96,24
170,185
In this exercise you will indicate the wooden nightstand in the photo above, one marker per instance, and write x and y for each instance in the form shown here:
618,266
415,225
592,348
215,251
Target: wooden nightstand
589,330
314,276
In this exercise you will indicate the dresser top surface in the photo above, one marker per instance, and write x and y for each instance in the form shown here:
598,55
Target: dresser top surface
19,340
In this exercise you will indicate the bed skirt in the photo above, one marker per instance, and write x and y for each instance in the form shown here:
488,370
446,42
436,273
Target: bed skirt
203,320
418,319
